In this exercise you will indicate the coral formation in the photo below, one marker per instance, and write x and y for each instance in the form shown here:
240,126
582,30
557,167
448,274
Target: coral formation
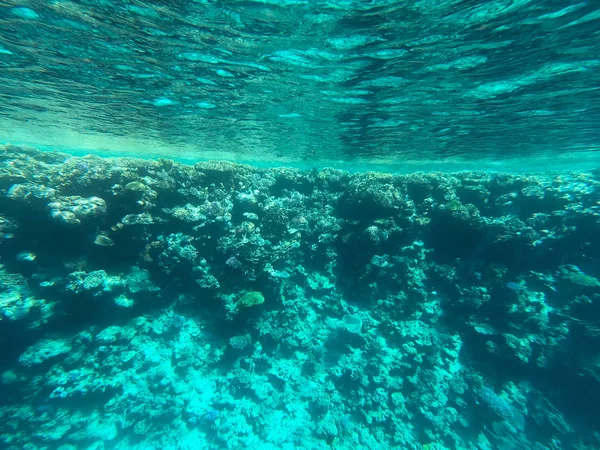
155,305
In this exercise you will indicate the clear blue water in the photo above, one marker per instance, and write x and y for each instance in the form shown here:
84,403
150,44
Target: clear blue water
397,83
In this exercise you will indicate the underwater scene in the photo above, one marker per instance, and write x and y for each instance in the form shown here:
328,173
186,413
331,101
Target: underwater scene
294,224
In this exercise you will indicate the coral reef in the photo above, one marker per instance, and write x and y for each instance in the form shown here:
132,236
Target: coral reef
155,305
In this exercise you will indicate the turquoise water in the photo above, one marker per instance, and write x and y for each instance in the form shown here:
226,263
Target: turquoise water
423,83
299,225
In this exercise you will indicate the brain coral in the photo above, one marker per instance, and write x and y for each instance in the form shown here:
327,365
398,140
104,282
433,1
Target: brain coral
250,299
